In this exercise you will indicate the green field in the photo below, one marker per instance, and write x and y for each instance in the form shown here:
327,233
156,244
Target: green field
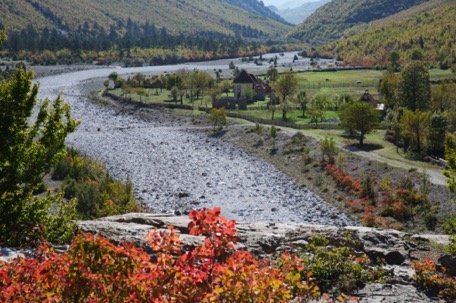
354,82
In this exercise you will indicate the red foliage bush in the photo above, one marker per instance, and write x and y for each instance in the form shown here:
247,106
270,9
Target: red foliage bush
95,270
344,180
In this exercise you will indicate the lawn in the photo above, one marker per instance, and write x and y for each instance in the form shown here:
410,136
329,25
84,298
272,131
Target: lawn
294,116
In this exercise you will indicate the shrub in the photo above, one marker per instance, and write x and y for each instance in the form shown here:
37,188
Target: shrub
97,193
336,269
328,150
430,277
94,270
344,180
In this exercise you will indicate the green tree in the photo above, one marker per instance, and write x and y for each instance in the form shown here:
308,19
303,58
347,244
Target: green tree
389,89
417,54
225,86
416,127
286,87
272,108
394,58
273,74
443,97
436,136
450,173
303,101
414,88
113,76
174,93
248,92
361,117
319,105
30,147
141,92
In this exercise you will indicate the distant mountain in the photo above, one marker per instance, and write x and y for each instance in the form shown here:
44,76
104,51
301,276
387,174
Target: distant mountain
274,9
256,7
299,14
331,20
246,17
425,32
291,4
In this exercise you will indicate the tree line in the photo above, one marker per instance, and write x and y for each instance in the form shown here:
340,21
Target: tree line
122,40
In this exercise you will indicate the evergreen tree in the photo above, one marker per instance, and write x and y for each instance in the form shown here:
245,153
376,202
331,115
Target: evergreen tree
29,148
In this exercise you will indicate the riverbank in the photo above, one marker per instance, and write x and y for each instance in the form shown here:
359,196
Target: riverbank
176,165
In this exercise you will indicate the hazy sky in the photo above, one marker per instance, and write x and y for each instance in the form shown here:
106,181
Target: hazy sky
288,3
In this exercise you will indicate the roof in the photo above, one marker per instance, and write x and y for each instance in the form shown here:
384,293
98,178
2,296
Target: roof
366,97
245,78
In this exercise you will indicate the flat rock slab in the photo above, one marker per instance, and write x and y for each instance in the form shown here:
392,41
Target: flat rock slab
265,238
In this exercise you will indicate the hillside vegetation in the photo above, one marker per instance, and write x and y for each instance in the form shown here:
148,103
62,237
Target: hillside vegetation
425,32
177,16
331,20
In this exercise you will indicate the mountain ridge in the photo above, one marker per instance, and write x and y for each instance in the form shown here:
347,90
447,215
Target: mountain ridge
330,21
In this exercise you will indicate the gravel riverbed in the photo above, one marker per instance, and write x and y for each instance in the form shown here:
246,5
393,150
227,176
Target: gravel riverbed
176,166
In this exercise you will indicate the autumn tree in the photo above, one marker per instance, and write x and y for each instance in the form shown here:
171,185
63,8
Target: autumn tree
361,117
217,117
414,87
29,148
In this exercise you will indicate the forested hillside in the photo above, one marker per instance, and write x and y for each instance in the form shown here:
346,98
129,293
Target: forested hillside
177,16
425,32
331,20
135,32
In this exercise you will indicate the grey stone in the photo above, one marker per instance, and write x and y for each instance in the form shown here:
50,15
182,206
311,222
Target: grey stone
449,262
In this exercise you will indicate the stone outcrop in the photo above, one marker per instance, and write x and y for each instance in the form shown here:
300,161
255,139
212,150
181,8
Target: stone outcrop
396,248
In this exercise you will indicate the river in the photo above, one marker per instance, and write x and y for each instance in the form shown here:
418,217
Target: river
176,166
